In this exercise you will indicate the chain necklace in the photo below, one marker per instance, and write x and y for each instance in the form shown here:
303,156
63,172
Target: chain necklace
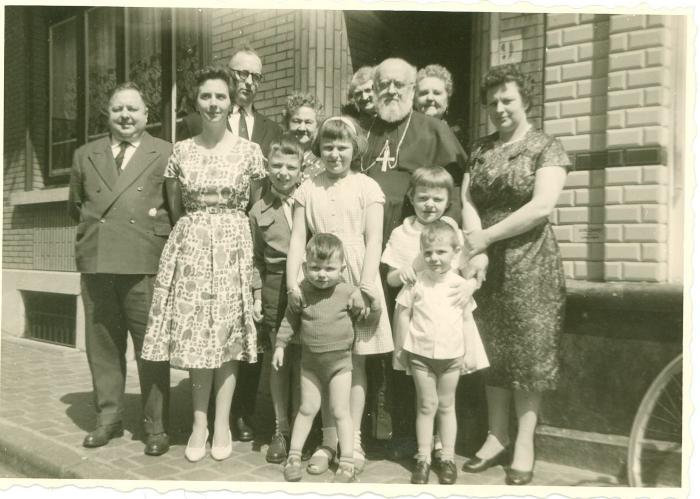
385,158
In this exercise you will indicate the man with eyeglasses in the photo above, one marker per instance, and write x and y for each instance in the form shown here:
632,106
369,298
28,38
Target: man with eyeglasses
245,121
400,141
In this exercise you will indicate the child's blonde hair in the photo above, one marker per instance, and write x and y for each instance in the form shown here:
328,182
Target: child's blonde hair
432,177
437,230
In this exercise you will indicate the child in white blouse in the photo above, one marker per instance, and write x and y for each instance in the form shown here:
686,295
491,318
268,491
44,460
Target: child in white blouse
436,335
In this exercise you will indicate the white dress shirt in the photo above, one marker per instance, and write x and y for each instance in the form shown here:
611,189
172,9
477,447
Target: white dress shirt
235,118
128,152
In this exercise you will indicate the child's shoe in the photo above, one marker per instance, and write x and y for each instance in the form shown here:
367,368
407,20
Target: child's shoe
292,469
447,471
345,473
420,472
277,451
321,460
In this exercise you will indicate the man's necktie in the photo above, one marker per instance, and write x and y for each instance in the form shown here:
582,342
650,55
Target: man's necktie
120,156
242,125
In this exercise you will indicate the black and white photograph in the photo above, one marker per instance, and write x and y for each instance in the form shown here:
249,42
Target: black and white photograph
398,248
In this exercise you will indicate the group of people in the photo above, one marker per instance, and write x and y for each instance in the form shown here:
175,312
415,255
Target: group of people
370,232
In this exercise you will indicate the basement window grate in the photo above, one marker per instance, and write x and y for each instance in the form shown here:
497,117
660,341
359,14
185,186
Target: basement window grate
50,317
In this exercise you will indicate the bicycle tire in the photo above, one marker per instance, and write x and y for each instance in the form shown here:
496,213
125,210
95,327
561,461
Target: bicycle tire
654,455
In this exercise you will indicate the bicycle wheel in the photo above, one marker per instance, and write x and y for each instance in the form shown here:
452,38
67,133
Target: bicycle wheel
654,456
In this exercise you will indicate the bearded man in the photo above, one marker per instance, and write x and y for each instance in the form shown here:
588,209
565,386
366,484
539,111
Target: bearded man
401,140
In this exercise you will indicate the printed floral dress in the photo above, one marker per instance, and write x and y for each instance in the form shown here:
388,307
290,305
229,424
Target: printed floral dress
201,314
521,303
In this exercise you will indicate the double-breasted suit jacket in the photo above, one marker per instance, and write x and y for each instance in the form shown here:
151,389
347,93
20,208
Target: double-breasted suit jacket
122,219
123,225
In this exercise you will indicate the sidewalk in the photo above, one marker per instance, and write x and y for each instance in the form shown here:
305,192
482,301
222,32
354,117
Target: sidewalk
46,408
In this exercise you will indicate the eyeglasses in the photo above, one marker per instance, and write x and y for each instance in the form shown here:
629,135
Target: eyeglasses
242,75
384,85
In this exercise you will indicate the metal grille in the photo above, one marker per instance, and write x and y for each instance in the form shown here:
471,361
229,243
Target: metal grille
50,317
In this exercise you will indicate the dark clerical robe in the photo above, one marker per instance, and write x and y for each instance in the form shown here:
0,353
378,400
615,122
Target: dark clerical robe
395,150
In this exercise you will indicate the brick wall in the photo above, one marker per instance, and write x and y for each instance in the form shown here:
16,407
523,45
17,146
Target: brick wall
607,88
17,229
271,33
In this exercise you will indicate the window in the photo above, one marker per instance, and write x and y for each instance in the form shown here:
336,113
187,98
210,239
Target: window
95,48
63,98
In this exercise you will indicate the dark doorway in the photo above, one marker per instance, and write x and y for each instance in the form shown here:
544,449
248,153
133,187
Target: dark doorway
421,38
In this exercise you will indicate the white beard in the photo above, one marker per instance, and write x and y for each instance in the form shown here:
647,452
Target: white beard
393,111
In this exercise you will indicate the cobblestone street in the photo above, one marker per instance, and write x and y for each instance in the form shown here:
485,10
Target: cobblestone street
46,409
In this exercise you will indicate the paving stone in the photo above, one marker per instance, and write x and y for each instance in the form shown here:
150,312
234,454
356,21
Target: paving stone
49,391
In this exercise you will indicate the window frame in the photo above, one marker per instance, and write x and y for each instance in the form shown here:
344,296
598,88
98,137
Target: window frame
169,93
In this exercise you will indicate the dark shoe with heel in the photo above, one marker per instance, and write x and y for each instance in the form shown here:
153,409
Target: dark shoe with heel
517,477
157,444
420,472
476,464
102,435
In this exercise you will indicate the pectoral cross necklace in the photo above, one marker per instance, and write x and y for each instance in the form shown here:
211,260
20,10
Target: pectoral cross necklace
387,161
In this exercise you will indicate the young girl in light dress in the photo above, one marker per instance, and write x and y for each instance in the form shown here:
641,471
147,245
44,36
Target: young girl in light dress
344,202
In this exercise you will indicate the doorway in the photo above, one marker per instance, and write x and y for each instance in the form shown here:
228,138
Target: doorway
450,39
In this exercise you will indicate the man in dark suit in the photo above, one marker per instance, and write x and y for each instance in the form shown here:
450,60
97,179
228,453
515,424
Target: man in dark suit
117,198
245,67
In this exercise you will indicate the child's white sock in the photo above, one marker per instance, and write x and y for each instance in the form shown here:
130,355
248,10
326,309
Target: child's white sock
358,440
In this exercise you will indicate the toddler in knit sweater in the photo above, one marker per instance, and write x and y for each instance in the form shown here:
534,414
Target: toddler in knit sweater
326,331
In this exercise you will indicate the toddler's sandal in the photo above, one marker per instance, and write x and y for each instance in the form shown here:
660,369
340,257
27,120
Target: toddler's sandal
320,460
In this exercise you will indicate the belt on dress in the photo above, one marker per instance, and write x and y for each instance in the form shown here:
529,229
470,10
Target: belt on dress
216,210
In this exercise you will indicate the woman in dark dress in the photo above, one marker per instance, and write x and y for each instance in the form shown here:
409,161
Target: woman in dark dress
512,185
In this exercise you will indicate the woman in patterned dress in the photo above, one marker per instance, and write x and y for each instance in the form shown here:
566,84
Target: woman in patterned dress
202,312
514,179
301,115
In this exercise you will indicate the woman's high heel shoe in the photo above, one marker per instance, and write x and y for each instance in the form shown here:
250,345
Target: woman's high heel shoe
194,454
517,477
476,464
223,452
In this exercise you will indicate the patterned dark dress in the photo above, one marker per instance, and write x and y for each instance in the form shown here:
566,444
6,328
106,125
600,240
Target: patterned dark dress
520,309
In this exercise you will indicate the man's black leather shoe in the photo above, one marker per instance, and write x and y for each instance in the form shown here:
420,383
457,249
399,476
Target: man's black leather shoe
102,435
242,430
157,444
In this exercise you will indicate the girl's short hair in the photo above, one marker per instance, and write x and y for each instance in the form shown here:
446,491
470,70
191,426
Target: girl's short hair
212,73
287,144
298,100
436,230
343,128
432,177
437,71
324,246
499,75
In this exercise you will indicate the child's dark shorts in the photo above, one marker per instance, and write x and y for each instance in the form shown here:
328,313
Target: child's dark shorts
326,365
438,367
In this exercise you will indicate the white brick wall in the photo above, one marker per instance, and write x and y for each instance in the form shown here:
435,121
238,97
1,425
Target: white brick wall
608,87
